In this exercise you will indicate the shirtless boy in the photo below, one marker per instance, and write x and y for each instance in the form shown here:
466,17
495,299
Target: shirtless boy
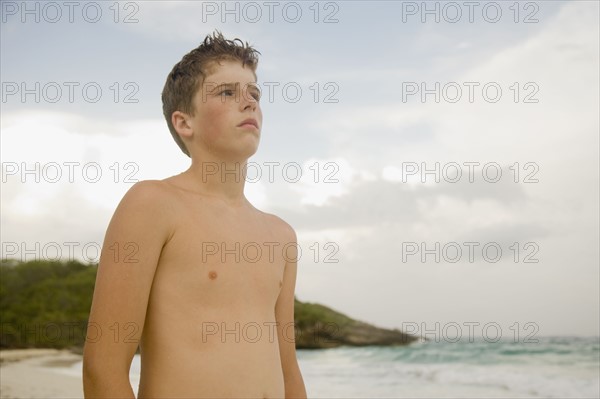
190,270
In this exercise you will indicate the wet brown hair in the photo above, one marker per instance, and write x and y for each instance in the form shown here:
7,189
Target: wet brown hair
187,75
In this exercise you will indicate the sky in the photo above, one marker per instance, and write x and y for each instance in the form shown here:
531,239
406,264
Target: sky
438,160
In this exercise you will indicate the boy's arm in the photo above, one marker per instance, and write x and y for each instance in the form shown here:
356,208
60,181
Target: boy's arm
284,315
132,246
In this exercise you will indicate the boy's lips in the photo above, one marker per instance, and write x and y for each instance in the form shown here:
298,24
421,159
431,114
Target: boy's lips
249,123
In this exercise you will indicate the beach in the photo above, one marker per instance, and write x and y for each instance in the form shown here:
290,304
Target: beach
39,373
551,367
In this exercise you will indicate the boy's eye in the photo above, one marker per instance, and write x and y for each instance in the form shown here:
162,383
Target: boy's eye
228,92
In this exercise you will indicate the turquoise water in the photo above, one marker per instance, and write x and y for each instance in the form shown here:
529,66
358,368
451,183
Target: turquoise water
555,367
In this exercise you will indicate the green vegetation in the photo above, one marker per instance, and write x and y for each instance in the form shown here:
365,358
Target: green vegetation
46,304
318,326
306,314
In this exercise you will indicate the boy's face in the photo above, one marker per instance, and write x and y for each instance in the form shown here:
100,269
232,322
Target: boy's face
227,98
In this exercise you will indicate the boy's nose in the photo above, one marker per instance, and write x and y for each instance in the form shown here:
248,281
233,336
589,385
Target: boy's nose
248,100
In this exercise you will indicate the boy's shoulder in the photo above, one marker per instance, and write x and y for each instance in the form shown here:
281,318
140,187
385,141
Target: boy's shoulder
149,194
280,226
148,190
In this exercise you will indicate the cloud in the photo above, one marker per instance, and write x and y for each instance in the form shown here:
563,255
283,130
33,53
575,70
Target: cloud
177,21
63,175
559,213
503,132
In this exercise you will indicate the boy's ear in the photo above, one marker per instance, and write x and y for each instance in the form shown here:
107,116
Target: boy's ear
181,123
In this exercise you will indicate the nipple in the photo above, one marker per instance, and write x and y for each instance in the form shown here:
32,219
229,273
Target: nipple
212,275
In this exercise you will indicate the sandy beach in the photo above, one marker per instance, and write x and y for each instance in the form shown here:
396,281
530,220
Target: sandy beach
36,373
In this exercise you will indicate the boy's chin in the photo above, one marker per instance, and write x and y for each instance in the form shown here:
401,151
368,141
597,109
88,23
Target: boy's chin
250,152
248,148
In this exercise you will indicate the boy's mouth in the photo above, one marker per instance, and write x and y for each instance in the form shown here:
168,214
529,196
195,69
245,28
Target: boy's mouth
249,123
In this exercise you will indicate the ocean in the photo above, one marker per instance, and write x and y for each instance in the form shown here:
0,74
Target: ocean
554,367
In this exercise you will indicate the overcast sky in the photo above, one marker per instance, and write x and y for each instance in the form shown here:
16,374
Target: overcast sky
360,98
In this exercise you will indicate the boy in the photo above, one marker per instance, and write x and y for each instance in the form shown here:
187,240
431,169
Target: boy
190,270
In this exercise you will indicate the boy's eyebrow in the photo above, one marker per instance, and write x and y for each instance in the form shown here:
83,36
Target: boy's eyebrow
230,84
213,89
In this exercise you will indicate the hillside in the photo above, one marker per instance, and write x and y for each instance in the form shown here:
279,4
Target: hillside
321,327
46,304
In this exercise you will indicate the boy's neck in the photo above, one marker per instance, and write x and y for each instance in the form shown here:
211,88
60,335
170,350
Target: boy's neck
220,179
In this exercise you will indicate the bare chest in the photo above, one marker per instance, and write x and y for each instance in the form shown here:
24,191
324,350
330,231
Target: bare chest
218,259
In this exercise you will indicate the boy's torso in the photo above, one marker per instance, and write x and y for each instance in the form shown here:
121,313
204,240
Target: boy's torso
210,323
